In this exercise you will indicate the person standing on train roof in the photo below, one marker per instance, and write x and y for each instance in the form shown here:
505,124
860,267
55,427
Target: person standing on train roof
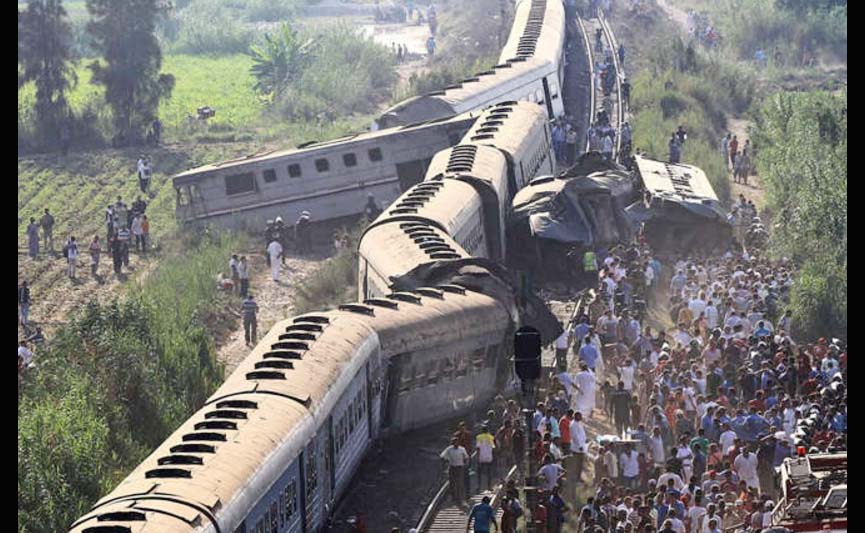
274,251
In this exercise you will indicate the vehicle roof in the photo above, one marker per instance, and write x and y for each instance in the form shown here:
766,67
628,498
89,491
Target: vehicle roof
505,125
675,181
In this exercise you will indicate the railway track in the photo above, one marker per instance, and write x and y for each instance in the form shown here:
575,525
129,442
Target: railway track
599,100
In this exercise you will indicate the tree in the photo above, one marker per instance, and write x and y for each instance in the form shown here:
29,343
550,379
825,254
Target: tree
45,57
124,31
279,61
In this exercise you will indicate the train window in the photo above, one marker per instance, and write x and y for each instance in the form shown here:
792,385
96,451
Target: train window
311,468
274,519
239,183
322,165
349,160
375,154
269,175
294,170
281,509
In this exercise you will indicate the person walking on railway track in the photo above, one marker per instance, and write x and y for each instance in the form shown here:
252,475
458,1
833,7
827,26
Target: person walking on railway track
484,517
485,443
457,459
33,238
249,309
47,223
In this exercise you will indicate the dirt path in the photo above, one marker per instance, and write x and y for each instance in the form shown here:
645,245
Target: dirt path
55,297
275,302
754,189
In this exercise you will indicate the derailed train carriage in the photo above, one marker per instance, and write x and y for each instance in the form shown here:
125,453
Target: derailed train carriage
275,446
332,179
461,209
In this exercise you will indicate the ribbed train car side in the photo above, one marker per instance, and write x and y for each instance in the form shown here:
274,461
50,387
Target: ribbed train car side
522,133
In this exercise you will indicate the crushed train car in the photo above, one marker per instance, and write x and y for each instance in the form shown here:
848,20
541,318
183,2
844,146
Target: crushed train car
679,210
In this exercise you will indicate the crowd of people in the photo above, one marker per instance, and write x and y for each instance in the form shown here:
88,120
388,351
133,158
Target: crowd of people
704,413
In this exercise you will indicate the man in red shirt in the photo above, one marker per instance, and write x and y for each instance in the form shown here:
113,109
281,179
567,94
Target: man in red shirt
565,431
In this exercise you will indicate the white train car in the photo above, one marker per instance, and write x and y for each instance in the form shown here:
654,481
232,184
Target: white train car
330,179
278,443
531,68
521,132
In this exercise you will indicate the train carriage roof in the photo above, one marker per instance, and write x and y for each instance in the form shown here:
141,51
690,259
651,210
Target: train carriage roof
505,125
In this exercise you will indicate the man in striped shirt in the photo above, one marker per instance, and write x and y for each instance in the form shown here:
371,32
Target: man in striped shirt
249,309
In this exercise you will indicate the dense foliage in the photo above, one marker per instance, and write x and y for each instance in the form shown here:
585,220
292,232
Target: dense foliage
112,385
124,32
317,74
802,161
45,58
686,87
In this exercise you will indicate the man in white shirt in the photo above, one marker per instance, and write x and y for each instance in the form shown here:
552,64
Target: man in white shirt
695,515
562,345
457,459
698,304
711,315
550,473
630,466
727,438
274,250
655,444
578,433
25,354
678,484
626,374
746,466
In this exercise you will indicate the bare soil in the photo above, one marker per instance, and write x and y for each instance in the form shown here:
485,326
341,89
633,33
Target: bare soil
275,301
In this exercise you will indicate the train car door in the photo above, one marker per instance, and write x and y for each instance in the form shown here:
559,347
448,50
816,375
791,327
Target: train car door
548,99
411,173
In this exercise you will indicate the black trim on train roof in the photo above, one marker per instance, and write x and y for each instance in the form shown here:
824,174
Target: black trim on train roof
204,437
403,296
282,354
298,336
216,424
180,460
289,345
381,302
452,288
357,308
193,448
122,516
304,327
403,211
237,404
430,292
279,365
265,374
482,137
161,473
107,529
317,319
226,413
445,255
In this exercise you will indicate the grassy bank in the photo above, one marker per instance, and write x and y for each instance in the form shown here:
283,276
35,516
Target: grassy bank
113,384
685,87
803,166
335,282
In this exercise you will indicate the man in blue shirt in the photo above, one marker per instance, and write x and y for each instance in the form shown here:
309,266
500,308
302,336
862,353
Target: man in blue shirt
483,515
588,353
671,503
